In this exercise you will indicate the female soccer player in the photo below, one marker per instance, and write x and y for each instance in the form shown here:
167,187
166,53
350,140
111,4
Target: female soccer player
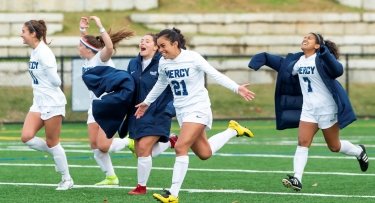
49,101
184,71
309,97
97,51
150,132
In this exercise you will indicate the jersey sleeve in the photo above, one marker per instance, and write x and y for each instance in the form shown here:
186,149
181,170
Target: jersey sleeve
49,63
158,88
215,74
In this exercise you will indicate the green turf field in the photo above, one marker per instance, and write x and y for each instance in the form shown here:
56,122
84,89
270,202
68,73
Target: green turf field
245,170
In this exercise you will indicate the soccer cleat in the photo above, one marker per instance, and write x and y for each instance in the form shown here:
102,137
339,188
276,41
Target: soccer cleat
108,181
363,159
165,198
65,184
241,131
292,182
173,139
139,190
131,146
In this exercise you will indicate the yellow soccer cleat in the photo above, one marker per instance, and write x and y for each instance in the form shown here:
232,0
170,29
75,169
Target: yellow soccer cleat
241,131
165,198
109,181
131,146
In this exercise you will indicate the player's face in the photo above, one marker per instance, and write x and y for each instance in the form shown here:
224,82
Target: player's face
26,35
84,52
309,43
147,47
168,49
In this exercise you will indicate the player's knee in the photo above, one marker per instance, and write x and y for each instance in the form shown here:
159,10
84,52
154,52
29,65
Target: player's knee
204,156
25,137
334,148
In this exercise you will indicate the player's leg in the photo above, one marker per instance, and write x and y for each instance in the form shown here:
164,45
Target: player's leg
104,159
306,132
144,147
53,129
189,134
331,136
32,124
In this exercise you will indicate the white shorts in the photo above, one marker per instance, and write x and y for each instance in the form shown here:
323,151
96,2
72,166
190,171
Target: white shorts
199,116
90,117
323,121
47,112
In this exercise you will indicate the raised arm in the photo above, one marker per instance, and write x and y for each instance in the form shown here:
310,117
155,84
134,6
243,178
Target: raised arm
107,51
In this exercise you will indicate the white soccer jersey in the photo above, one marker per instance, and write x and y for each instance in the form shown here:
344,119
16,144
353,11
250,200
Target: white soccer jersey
45,80
316,97
185,75
91,63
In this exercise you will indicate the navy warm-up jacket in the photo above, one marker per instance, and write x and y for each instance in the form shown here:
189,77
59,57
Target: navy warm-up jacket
109,111
158,117
288,95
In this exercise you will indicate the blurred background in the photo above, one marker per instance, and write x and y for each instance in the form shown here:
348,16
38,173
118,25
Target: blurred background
226,32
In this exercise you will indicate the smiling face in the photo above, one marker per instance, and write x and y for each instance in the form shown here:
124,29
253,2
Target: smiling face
147,47
309,43
168,49
28,38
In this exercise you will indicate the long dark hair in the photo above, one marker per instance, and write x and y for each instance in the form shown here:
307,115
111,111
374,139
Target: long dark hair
332,47
173,35
97,41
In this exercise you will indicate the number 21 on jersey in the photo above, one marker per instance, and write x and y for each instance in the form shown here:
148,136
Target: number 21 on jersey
179,88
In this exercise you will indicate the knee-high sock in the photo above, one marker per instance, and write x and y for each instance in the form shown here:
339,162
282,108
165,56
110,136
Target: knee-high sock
179,172
104,161
299,162
218,141
61,162
349,149
37,144
159,148
144,169
118,144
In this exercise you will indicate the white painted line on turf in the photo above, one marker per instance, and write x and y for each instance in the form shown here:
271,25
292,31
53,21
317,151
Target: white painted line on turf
192,154
233,191
195,169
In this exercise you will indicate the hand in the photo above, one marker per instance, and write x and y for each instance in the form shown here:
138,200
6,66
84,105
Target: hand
246,93
141,109
84,22
97,21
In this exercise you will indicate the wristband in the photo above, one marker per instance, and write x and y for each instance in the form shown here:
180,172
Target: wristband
82,29
101,30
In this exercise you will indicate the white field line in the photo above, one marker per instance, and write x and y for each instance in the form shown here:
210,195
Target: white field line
195,169
192,154
232,191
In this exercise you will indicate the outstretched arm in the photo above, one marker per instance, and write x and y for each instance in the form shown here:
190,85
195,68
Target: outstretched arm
266,59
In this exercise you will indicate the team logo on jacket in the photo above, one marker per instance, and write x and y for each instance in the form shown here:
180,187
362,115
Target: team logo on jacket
153,73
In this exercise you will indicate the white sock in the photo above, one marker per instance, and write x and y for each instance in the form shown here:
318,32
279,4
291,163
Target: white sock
37,143
159,148
218,141
144,169
61,162
299,162
179,172
104,162
118,144
349,149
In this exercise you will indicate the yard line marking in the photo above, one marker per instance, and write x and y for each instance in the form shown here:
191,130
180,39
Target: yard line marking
237,191
24,148
195,169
